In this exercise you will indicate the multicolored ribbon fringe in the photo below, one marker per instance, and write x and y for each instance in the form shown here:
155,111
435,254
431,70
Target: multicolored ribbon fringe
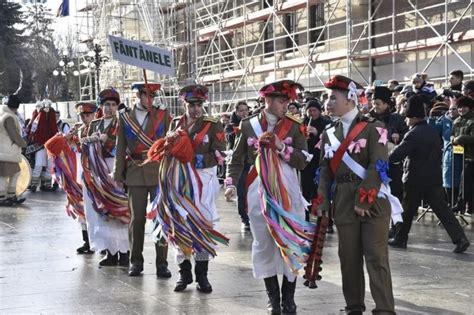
177,207
292,235
65,173
108,199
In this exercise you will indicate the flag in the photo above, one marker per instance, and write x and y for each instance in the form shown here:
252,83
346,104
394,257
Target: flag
63,9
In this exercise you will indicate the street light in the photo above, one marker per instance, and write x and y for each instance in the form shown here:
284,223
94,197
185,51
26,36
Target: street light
94,60
66,65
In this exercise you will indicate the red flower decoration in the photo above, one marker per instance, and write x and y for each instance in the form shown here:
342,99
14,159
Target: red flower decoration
368,196
236,130
304,130
220,136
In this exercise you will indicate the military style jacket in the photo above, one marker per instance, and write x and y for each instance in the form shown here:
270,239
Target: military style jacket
463,134
98,126
208,139
131,151
345,188
243,151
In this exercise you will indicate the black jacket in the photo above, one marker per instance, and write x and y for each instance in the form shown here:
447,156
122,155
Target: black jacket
230,129
422,149
320,124
393,122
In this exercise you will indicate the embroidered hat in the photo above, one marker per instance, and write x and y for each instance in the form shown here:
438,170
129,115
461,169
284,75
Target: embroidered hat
285,88
194,93
85,108
342,83
108,94
146,87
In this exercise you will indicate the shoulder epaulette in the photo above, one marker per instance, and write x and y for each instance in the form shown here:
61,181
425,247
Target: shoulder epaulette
211,119
294,118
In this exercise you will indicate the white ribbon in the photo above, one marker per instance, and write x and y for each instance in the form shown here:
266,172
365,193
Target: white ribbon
353,93
328,151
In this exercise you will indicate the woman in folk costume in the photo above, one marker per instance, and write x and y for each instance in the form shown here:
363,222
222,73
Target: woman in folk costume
105,202
184,208
275,144
65,152
42,128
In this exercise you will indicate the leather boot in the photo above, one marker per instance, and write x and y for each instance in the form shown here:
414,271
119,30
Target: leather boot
273,292
162,270
124,259
14,200
85,248
200,270
109,259
185,276
288,304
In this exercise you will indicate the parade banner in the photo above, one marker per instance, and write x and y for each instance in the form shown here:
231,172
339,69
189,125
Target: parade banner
141,55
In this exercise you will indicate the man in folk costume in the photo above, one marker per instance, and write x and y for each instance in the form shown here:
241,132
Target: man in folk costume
138,128
354,166
105,203
65,153
42,128
274,143
205,137
10,152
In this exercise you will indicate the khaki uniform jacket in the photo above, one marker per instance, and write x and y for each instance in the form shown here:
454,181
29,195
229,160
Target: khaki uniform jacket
131,152
346,194
244,152
214,140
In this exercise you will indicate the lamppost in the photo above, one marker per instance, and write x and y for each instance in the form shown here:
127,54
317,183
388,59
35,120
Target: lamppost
66,66
95,60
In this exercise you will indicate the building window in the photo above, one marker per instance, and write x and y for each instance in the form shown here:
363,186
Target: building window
291,27
267,3
316,19
268,47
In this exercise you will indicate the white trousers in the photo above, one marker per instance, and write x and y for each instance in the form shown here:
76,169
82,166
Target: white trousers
267,260
104,234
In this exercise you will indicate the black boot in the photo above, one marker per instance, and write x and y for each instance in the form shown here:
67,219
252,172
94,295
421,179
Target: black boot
124,259
185,276
397,243
273,292
109,259
5,202
288,304
162,270
85,248
200,270
32,188
461,246
15,200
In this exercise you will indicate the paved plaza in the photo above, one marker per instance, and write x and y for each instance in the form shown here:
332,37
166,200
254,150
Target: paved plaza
40,272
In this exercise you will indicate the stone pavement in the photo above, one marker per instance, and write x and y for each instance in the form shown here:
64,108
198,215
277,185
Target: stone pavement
41,273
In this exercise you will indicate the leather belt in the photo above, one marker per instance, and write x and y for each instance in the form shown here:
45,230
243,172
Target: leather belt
347,178
139,156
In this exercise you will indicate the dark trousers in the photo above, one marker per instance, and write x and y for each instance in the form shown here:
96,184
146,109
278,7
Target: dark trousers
366,239
242,194
466,192
434,197
138,201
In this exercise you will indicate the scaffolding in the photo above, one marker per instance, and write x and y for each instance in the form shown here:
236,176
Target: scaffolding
236,46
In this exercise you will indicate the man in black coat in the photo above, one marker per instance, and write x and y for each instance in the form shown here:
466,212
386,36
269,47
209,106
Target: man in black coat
315,124
422,149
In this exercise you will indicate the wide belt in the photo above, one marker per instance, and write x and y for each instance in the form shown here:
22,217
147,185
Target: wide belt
139,156
347,178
